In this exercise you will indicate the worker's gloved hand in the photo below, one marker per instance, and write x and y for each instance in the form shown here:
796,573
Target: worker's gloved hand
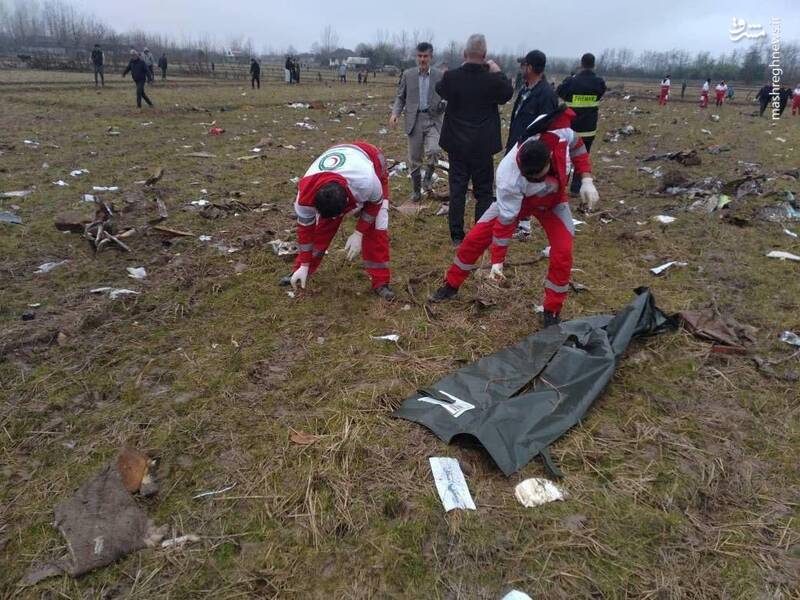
496,274
353,245
589,195
300,276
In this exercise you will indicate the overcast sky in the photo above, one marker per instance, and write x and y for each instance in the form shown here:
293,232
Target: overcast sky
557,27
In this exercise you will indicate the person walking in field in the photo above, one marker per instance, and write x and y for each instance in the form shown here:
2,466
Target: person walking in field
162,64
255,74
704,93
342,73
796,100
719,93
663,95
97,63
147,57
140,75
763,97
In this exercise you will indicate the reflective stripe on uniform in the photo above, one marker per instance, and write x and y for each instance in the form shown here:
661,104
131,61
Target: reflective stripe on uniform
578,151
306,220
305,247
464,266
562,211
501,241
367,218
587,133
318,253
561,289
583,101
368,264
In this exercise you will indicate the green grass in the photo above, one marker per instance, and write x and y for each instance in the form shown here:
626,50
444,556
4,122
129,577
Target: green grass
684,472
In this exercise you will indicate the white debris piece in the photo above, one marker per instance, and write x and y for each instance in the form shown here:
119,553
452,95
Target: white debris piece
790,338
665,219
790,233
89,198
537,491
304,125
383,131
49,266
204,238
282,248
781,140
137,272
661,268
390,337
294,180
538,309
16,194
78,172
450,483
298,105
546,252
114,293
706,131
105,188
201,202
214,493
180,541
516,595
60,183
783,255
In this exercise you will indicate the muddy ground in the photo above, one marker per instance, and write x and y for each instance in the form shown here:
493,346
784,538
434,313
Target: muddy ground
682,480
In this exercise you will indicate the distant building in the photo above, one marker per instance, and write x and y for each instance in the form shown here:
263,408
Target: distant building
339,56
354,62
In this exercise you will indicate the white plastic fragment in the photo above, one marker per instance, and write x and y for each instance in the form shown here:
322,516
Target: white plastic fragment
16,194
282,248
790,338
204,238
783,255
89,198
516,595
201,202
661,268
114,293
790,233
390,337
546,252
105,188
215,492
49,266
450,483
537,491
180,540
78,172
60,183
664,219
137,272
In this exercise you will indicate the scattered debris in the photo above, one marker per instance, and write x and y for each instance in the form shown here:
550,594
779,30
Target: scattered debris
443,210
790,338
201,155
10,218
298,105
114,293
137,272
537,491
282,248
16,194
105,188
28,315
74,222
78,172
89,198
216,131
215,492
714,118
61,183
450,483
790,233
304,125
662,268
174,232
102,231
708,325
664,219
302,438
687,158
783,255
181,541
155,177
49,266
391,337
516,594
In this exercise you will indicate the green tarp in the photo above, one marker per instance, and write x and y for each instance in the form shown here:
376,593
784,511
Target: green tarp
518,401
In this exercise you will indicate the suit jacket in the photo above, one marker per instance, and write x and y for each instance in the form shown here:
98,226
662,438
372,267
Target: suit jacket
541,100
408,97
472,120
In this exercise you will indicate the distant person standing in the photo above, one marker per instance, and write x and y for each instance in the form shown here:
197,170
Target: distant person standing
162,64
582,93
139,73
471,129
683,89
719,93
729,92
255,74
704,93
359,77
663,95
148,60
796,100
343,73
763,98
287,70
424,110
784,94
97,62
296,71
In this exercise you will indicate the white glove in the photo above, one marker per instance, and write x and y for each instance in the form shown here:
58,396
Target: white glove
300,276
353,245
589,195
496,274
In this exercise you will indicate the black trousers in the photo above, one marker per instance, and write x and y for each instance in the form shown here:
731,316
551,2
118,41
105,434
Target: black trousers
255,80
163,72
462,170
141,94
763,105
575,186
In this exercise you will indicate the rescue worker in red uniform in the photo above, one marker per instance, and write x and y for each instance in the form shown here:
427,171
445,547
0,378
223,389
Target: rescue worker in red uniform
704,93
664,94
531,181
346,179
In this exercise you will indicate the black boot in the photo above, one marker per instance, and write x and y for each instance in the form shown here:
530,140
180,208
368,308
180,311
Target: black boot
550,318
444,293
285,281
386,293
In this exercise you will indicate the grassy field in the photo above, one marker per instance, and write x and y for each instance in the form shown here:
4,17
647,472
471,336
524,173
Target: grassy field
683,480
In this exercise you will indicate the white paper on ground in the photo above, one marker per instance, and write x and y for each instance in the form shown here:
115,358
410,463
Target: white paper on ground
105,188
537,491
88,198
78,172
665,219
390,337
516,595
450,483
661,268
60,183
16,194
456,408
790,233
137,272
113,293
49,266
790,338
783,255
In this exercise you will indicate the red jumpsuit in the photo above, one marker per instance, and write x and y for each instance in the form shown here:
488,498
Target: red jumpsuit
796,101
361,168
704,96
662,97
517,199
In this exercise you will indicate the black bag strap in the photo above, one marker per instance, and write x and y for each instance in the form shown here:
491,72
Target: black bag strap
549,464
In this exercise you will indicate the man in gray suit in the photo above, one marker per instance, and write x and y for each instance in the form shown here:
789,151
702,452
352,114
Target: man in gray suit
424,112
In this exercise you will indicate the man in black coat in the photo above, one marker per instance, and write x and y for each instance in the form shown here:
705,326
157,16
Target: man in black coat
535,98
471,129
97,62
162,64
255,73
140,73
582,92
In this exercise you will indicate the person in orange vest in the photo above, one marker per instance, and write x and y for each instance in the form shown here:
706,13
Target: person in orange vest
704,93
662,98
